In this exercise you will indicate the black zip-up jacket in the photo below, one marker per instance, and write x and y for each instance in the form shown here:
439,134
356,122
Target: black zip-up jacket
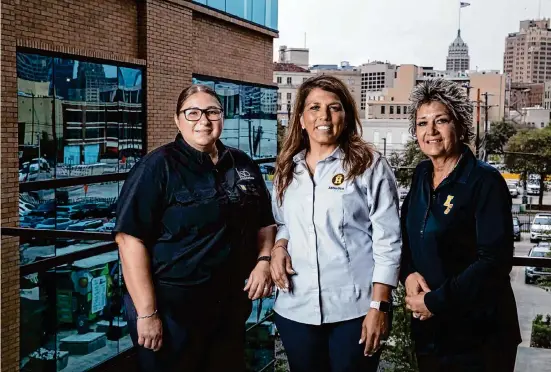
460,238
199,221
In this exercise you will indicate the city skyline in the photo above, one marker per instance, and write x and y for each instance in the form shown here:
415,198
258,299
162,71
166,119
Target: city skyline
400,31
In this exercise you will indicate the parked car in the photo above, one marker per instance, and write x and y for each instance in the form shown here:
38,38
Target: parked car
533,189
531,274
69,211
55,223
541,227
513,190
44,210
516,229
108,226
85,225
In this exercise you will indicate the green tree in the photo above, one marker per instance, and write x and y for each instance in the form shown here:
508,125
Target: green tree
405,162
529,152
498,136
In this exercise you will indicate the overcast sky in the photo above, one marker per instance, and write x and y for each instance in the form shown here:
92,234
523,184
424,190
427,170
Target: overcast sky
402,31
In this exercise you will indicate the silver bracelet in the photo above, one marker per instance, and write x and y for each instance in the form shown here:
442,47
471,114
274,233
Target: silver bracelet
147,316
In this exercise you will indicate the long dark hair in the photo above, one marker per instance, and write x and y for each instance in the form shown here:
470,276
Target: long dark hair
358,154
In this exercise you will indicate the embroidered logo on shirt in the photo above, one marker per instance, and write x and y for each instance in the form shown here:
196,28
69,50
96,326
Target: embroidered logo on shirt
244,175
448,204
338,179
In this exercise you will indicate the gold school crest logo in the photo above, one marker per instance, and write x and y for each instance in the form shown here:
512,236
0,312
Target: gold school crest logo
338,179
448,204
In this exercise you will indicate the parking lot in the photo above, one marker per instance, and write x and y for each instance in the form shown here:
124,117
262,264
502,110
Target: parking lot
531,300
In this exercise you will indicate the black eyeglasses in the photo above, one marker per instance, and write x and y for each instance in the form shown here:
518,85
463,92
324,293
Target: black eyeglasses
194,114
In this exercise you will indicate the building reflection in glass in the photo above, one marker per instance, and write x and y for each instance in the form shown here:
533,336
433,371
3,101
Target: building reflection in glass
250,116
77,118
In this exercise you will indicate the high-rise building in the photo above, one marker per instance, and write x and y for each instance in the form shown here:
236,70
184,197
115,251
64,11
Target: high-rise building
527,57
458,55
376,76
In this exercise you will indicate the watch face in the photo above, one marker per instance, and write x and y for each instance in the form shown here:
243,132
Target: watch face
384,306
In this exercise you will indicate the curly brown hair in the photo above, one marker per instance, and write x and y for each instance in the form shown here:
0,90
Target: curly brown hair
358,154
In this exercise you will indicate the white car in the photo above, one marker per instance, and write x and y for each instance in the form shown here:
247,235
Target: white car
533,189
541,227
531,274
513,190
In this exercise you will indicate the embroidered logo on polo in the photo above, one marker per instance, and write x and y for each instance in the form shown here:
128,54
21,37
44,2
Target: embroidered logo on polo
448,204
338,179
244,175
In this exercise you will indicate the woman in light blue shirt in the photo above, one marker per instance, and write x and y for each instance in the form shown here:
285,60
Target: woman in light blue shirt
338,245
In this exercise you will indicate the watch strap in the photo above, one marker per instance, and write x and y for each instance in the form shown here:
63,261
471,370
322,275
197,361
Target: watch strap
264,258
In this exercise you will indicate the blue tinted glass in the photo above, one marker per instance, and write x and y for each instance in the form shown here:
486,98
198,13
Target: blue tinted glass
272,11
201,1
236,7
248,4
218,4
259,11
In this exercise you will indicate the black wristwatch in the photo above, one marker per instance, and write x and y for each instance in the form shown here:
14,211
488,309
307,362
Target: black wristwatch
264,258
382,306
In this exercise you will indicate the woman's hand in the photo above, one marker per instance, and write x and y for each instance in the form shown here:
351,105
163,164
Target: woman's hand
150,332
415,284
260,281
417,305
374,331
281,267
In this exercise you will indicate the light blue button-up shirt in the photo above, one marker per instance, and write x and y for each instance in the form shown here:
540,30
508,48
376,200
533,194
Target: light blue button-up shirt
344,235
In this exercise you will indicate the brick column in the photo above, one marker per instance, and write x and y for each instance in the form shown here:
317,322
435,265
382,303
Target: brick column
9,253
168,48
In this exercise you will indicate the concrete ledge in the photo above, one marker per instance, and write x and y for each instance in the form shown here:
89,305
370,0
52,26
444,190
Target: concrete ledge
83,344
81,52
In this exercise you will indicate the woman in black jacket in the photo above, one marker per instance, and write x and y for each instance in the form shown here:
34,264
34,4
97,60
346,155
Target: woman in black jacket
458,243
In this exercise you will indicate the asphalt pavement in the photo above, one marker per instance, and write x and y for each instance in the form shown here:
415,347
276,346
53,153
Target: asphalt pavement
531,300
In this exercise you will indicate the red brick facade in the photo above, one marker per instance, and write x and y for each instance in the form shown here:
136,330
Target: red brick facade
172,38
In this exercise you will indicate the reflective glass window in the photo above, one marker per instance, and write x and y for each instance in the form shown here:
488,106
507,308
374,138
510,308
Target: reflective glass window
218,4
259,12
75,113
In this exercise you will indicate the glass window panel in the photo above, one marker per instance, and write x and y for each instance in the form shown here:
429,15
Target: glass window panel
201,1
218,4
80,300
236,7
259,11
37,132
272,14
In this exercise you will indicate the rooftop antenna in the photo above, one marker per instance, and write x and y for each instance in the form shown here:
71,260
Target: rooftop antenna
539,9
305,40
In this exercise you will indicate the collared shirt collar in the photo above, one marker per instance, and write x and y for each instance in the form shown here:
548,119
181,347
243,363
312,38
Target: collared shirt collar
199,157
336,154
463,169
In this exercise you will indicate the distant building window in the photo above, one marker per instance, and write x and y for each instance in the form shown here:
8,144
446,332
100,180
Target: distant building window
289,80
278,107
392,98
391,111
405,110
383,107
542,124
289,96
279,96
399,110
304,79
279,79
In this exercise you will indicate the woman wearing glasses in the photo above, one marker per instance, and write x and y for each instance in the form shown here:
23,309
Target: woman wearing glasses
193,222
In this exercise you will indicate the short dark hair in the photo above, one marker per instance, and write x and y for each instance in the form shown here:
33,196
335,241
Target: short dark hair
191,90
451,95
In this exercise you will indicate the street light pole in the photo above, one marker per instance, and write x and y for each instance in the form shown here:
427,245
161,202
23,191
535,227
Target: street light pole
477,140
384,147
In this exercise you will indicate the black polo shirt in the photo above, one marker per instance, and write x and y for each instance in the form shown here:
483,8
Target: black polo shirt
459,236
198,220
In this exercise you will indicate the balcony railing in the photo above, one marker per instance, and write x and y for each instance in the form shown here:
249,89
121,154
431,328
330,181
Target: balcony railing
71,289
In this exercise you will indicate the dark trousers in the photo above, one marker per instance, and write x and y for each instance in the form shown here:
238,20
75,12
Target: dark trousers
331,347
197,337
488,358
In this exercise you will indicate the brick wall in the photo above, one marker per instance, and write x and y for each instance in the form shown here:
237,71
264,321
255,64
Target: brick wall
250,53
168,45
9,256
173,38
